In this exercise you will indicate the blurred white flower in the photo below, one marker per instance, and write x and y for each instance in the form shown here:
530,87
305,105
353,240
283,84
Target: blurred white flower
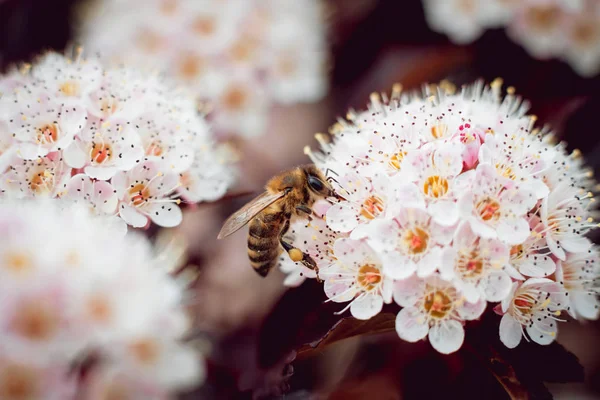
240,56
63,117
566,29
459,201
85,293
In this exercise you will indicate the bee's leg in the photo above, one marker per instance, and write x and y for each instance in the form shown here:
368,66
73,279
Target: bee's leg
296,254
305,209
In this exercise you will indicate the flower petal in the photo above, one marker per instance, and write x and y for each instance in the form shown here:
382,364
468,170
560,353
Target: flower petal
444,212
342,217
514,231
447,336
74,155
411,325
366,306
497,286
132,216
165,215
510,331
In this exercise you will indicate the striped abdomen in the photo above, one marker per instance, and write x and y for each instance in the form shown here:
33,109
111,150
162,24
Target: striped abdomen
263,240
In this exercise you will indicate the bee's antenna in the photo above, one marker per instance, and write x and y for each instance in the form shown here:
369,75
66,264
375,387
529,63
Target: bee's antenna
330,170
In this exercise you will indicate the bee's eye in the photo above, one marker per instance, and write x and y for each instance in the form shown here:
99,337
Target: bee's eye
315,183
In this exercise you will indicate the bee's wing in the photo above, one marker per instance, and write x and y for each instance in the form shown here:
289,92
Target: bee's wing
246,213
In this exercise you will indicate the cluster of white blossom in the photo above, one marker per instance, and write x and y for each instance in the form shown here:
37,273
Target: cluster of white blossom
240,56
86,313
453,201
121,142
566,29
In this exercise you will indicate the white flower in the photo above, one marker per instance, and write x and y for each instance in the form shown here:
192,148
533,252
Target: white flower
534,306
564,216
73,288
40,124
433,169
496,208
433,307
579,274
357,277
532,257
477,266
457,18
61,117
409,243
144,192
239,56
45,176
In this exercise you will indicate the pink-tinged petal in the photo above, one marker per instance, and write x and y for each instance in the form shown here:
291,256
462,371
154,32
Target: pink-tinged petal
72,119
447,336
105,197
74,155
366,306
387,288
408,291
321,207
448,159
411,325
464,236
30,151
166,215
510,331
465,205
78,186
428,264
132,216
538,187
470,154
498,285
508,299
470,292
396,266
444,212
537,266
575,244
119,182
486,155
470,311
342,217
403,195
339,290
102,173
481,229
555,249
514,231
352,253
463,183
585,305
542,333
381,234
447,263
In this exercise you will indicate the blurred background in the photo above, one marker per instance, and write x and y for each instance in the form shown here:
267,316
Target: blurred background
244,320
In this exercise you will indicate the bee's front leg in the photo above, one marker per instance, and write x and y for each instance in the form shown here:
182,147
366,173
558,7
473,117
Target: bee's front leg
296,254
305,209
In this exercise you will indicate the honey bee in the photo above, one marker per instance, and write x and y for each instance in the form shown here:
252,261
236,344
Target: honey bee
287,196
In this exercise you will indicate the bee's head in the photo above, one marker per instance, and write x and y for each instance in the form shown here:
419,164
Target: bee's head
317,181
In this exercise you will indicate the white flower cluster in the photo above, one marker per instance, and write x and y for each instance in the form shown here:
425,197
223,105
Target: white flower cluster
240,56
111,138
452,201
86,313
566,29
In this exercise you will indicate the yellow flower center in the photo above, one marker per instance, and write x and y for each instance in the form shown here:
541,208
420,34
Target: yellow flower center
204,26
235,98
543,17
439,130
154,149
396,160
70,88
145,351
101,152
18,263
47,134
36,321
372,207
488,209
506,171
98,309
190,67
435,186
437,304
42,182
368,277
470,264
139,194
18,382
415,241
